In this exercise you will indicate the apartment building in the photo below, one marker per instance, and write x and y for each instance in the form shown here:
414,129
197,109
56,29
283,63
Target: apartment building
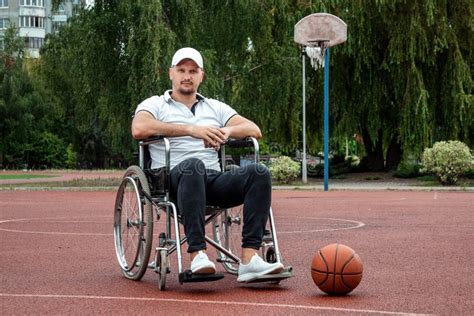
34,19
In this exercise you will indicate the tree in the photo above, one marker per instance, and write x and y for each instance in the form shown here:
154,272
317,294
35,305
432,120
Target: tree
97,68
402,80
251,61
22,111
405,76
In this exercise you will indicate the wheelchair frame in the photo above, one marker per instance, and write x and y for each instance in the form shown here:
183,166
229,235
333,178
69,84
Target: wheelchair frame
135,206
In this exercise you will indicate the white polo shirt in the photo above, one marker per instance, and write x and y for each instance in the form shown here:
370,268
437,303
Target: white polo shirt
207,112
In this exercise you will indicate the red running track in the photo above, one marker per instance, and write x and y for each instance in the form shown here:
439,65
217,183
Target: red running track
57,257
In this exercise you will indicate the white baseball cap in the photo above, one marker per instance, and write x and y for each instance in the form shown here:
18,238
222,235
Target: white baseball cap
187,53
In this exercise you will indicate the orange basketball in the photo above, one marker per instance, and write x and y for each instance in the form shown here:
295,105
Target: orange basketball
336,269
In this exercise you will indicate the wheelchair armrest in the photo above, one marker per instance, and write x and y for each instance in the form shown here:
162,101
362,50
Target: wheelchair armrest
241,143
247,142
151,140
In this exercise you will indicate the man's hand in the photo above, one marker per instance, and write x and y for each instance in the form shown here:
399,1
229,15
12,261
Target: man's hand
212,137
227,130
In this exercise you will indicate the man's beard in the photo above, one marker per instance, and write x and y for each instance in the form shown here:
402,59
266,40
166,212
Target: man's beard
188,91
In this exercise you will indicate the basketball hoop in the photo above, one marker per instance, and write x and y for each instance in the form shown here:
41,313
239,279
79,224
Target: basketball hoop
316,33
316,56
320,28
319,31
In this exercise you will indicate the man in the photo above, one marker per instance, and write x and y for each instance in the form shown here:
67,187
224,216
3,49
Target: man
197,126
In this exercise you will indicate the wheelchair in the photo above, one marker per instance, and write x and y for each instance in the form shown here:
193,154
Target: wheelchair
143,200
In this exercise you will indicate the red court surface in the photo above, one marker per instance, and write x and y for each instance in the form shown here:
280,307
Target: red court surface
57,257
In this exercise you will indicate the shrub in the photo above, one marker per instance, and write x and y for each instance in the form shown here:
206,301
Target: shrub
337,166
407,169
283,169
71,157
353,160
48,150
447,160
317,171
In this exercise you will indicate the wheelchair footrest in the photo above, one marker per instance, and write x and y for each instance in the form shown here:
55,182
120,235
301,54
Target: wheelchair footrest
285,274
188,276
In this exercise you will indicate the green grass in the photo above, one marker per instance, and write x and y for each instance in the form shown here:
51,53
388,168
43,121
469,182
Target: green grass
23,176
430,180
427,178
372,178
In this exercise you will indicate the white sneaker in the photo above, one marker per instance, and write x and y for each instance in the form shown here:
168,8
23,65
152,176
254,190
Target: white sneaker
257,267
202,265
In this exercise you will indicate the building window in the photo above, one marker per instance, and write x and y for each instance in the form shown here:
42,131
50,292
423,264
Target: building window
4,23
33,42
3,3
31,21
37,21
31,3
58,25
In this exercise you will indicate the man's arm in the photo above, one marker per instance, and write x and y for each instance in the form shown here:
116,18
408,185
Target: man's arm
144,125
239,127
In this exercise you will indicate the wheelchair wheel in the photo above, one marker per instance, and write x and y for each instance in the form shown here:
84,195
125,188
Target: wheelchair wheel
133,224
227,229
270,255
162,265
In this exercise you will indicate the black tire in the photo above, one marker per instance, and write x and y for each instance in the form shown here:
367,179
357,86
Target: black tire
270,255
162,263
133,224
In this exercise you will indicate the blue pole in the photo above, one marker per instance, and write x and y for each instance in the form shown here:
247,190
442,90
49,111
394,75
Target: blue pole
304,167
326,119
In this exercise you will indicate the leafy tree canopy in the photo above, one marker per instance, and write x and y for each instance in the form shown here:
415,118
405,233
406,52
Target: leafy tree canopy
402,81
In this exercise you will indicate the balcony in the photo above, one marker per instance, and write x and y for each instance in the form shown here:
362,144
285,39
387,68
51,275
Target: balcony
35,11
32,32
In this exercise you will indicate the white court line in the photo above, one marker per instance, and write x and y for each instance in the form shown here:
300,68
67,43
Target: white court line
59,219
357,224
52,233
435,195
48,233
345,200
220,302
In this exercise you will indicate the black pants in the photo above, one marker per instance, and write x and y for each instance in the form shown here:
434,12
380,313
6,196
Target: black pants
194,187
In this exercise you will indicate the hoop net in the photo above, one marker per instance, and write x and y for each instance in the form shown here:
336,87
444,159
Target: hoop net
316,56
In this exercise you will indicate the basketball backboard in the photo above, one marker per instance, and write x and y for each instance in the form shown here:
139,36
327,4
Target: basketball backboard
319,29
